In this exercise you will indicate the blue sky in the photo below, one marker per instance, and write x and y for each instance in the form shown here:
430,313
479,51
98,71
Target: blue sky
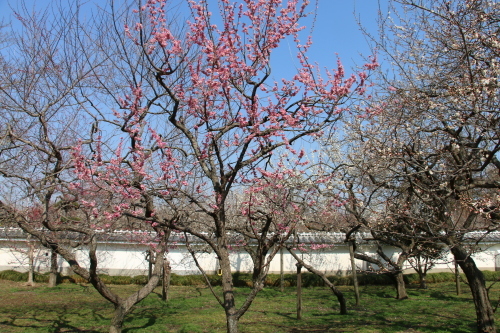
336,30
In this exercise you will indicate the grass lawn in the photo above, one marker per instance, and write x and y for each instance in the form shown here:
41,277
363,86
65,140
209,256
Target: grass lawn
74,308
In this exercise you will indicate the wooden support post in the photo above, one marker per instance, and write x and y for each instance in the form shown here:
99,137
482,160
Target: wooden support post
299,291
31,264
282,274
354,275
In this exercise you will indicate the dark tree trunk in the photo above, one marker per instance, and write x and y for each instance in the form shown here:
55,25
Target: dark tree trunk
400,285
353,269
396,274
338,293
484,310
53,269
399,276
399,282
423,280
150,256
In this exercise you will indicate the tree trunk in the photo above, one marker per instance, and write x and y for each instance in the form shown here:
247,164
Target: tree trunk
166,280
282,273
340,298
335,290
31,264
232,323
422,279
299,291
399,276
118,318
400,285
485,317
123,306
53,270
354,275
228,292
457,278
150,263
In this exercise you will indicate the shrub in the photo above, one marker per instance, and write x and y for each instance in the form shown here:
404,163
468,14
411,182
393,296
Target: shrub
67,279
341,280
491,275
40,278
440,277
119,279
245,279
78,279
187,280
23,277
139,279
375,279
242,279
12,275
412,278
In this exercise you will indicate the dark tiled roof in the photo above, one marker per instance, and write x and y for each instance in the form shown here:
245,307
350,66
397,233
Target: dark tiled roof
329,238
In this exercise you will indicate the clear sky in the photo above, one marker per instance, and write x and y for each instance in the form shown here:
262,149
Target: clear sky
336,30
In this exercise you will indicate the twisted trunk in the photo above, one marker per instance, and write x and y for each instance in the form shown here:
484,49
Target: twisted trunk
336,292
400,285
485,321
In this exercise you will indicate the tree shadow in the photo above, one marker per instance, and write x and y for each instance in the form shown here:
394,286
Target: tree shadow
445,297
58,324
151,321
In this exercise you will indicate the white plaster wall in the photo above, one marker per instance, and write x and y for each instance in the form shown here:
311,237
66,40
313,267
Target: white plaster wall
14,256
129,259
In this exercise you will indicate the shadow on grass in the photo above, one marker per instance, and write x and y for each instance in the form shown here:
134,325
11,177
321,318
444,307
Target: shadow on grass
389,326
287,315
446,297
310,329
151,320
62,323
385,315
56,325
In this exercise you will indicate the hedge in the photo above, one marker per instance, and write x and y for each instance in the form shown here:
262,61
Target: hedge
245,280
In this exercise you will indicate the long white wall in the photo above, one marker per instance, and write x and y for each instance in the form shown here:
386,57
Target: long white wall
130,259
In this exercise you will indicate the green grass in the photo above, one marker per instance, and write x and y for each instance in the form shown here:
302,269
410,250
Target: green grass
74,308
